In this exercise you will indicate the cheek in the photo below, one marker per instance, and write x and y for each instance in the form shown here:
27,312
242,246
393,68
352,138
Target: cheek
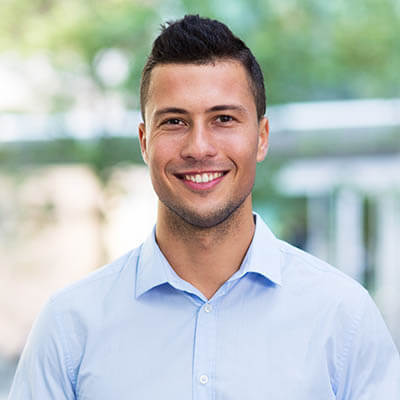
163,146
161,154
242,149
157,152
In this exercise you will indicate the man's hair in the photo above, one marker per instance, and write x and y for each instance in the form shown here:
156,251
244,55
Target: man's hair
197,40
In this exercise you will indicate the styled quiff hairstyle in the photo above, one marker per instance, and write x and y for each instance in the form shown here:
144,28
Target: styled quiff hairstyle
197,40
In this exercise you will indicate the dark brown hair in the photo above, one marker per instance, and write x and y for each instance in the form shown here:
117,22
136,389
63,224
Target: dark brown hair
197,40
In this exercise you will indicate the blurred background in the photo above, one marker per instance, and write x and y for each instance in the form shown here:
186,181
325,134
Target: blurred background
75,194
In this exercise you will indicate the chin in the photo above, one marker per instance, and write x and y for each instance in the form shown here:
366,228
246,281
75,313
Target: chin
207,219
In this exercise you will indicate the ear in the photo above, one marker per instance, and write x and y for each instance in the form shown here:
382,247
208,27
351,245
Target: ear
263,134
143,141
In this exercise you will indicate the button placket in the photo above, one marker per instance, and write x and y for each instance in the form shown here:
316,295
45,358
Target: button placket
204,353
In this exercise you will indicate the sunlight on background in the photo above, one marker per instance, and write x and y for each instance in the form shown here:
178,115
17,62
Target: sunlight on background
75,194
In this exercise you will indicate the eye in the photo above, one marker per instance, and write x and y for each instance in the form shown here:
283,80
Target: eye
171,124
224,118
173,121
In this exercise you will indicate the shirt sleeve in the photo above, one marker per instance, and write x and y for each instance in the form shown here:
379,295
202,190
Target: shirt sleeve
370,364
43,372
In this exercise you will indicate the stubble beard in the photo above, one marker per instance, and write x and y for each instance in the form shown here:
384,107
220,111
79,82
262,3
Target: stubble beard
186,219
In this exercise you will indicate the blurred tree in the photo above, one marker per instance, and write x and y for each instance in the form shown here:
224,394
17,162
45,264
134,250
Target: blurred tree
309,50
312,50
76,34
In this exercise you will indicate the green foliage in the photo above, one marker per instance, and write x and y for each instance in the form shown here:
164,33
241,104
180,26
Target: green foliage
73,32
312,50
100,154
309,49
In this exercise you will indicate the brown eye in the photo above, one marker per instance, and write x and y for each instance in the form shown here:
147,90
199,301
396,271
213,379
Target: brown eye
173,121
225,118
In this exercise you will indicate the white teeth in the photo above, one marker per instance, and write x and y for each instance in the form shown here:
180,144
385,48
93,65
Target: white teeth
203,178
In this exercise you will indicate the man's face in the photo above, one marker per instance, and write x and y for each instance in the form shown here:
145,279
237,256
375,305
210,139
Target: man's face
202,139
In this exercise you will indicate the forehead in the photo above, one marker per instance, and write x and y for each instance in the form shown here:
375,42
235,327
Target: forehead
197,86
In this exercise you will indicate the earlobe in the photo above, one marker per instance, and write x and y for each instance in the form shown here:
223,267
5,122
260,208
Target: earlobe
263,134
142,140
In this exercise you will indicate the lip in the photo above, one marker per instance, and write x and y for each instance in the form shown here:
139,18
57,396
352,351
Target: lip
201,186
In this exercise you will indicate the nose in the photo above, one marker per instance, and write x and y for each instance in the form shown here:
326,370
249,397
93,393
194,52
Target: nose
199,143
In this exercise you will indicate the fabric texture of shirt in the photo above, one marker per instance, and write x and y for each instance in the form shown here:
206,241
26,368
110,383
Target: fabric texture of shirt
285,326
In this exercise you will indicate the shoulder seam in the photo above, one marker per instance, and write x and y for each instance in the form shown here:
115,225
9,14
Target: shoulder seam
91,280
330,269
68,359
346,349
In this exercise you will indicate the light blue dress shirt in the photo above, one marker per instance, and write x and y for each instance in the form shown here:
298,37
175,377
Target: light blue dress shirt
285,326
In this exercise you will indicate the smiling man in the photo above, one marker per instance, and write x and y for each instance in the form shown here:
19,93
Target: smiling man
212,305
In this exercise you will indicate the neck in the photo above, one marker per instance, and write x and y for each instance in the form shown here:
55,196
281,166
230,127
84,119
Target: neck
205,257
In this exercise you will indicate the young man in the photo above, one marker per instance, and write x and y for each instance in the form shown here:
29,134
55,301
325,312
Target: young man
212,305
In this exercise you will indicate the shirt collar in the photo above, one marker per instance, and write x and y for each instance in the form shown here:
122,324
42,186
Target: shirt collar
150,270
262,257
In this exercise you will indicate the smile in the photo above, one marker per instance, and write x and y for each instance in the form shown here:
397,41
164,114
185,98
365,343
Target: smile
201,181
205,177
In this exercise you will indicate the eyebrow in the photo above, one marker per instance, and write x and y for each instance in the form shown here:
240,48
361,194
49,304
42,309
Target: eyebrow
169,110
177,110
227,107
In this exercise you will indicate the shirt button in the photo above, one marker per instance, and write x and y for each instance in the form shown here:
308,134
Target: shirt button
208,308
203,379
